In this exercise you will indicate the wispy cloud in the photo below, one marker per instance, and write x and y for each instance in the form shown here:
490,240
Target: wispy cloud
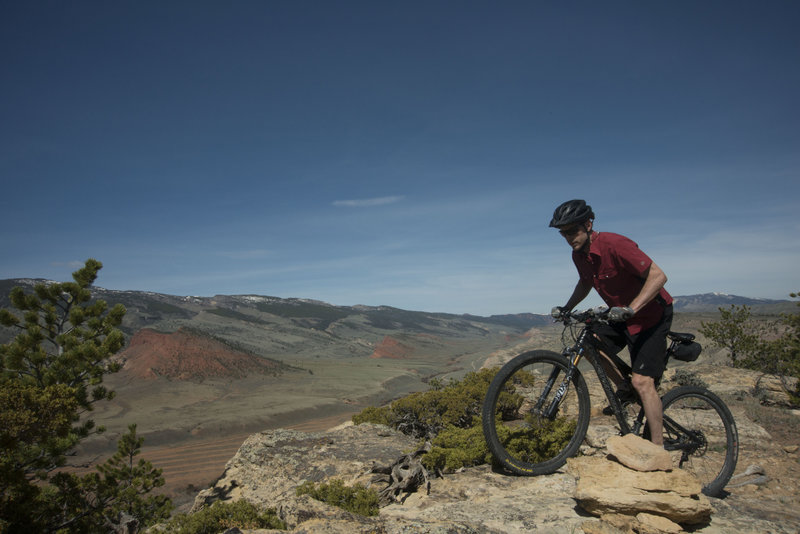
368,202
74,264
247,254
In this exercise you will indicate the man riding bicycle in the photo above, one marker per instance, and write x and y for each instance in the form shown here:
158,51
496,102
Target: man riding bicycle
632,285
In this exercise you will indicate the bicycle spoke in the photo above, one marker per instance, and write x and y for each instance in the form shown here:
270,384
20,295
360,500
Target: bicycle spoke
702,436
538,416
536,413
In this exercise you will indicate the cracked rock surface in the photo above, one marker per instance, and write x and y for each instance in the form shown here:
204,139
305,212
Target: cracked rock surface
271,465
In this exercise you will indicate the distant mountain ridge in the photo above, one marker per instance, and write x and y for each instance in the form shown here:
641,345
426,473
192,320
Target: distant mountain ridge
319,314
710,302
199,338
294,328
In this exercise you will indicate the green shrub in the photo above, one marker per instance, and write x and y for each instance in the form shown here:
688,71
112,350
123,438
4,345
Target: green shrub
684,377
455,448
539,441
449,416
223,515
371,414
357,499
436,383
769,347
783,355
425,414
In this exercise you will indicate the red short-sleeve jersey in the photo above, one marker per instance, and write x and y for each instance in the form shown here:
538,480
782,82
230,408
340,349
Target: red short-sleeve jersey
616,268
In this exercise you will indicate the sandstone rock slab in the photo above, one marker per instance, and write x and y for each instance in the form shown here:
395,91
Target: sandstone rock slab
608,487
271,464
638,453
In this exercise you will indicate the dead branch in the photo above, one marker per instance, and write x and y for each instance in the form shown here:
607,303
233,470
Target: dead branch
406,475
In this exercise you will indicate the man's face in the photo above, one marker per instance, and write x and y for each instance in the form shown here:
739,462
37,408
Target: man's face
576,234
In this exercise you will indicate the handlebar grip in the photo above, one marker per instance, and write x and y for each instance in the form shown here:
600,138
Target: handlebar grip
619,314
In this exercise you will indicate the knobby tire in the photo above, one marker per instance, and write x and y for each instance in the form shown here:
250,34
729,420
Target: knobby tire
519,437
711,447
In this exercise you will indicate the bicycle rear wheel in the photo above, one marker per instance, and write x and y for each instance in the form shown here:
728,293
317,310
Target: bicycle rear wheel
528,429
700,426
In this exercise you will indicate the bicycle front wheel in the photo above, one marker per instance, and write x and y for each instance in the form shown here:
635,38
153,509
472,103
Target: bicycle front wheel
701,428
535,417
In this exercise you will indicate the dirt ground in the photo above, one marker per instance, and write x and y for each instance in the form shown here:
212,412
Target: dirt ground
778,497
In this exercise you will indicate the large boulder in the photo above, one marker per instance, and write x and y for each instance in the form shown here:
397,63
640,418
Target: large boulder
639,454
607,487
270,465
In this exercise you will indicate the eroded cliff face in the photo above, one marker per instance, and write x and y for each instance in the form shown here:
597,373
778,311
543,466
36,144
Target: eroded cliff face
270,465
393,349
184,355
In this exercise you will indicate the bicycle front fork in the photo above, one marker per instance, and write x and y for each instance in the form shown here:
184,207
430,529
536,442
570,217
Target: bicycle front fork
552,409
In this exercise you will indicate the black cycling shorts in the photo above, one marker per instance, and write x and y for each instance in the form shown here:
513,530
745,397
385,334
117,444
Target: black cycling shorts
648,348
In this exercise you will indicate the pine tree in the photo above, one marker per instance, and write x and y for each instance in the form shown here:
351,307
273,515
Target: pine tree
784,354
769,347
51,375
118,493
736,332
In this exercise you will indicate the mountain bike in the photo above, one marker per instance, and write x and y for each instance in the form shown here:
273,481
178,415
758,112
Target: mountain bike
537,409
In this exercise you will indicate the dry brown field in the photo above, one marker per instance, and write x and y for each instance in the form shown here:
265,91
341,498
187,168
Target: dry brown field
196,464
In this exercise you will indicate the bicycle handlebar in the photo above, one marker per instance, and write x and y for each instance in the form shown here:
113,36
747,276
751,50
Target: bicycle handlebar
599,314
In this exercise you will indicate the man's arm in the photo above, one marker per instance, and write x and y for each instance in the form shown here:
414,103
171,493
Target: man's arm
581,291
653,283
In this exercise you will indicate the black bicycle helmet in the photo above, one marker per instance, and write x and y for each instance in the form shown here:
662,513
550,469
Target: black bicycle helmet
571,212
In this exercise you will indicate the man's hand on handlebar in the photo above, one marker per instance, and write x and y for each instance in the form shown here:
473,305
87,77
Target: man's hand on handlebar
619,314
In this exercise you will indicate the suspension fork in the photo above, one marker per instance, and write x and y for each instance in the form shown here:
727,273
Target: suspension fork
574,356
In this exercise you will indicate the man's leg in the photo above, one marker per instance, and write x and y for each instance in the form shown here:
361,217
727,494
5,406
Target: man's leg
649,348
645,386
613,372
614,341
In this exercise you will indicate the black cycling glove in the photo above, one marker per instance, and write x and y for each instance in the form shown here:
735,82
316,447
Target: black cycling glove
618,314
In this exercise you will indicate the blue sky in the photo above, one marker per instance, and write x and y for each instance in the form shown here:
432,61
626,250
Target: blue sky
398,153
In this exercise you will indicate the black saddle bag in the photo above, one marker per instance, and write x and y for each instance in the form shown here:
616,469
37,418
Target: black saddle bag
687,351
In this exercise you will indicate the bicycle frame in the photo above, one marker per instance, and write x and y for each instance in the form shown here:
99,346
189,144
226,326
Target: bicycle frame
589,346
551,388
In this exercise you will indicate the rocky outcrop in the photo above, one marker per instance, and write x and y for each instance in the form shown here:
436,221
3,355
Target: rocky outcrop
639,454
637,481
270,465
725,380
607,487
